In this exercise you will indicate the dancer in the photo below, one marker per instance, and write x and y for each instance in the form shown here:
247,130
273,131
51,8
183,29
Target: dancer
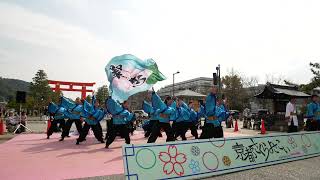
182,120
92,115
153,121
73,113
194,120
212,127
164,114
224,109
120,119
57,116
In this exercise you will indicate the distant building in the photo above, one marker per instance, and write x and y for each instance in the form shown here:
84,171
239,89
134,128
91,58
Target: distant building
199,85
135,101
194,89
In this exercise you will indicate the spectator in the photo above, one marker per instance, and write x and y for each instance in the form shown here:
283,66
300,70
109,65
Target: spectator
291,115
11,122
24,119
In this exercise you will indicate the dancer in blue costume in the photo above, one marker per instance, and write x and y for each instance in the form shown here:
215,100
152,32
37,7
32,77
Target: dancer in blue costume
313,114
164,113
194,120
121,117
92,115
150,110
182,120
73,112
56,114
224,109
212,127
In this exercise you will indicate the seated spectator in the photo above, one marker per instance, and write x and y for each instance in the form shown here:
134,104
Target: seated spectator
11,122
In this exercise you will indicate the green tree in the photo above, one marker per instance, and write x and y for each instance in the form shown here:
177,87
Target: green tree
55,96
89,98
315,69
102,93
315,81
40,90
237,98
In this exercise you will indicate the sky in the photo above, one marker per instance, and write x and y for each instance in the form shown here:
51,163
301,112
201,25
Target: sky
73,40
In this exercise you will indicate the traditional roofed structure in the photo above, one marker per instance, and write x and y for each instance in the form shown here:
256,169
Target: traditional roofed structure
280,95
280,92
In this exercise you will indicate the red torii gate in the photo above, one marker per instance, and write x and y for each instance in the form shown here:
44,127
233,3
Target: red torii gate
83,86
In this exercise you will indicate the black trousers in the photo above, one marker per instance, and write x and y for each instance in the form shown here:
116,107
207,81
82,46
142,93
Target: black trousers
292,129
318,125
132,127
109,128
68,125
54,126
174,129
194,129
156,130
149,130
181,129
312,125
118,128
210,131
97,131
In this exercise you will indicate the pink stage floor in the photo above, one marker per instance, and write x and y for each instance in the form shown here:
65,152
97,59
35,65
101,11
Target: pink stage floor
32,156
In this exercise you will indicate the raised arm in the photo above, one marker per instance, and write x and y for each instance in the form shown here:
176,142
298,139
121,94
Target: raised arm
211,104
147,108
157,103
113,107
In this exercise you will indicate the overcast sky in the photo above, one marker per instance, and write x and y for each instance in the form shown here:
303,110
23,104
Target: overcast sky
74,40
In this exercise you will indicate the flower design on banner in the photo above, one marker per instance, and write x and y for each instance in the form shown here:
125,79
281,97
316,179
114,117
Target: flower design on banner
195,150
173,161
194,166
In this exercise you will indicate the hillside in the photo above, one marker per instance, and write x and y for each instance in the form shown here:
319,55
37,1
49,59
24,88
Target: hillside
8,88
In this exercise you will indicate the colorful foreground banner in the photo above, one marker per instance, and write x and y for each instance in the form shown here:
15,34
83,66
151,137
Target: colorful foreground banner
129,75
204,158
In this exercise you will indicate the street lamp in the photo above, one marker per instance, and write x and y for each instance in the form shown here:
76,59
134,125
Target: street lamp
218,78
173,82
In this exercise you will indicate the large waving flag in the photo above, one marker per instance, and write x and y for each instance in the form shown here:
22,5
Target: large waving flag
129,75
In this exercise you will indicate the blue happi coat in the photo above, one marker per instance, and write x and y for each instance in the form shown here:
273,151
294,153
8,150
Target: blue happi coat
56,111
313,111
119,114
147,107
212,110
91,114
201,112
182,113
225,114
73,110
194,116
163,112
